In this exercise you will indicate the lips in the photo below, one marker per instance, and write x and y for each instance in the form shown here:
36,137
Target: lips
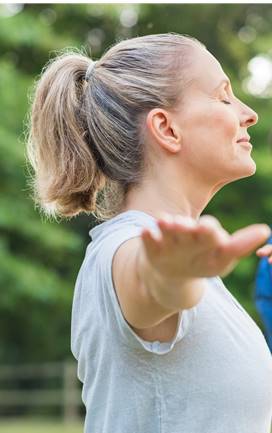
245,144
243,139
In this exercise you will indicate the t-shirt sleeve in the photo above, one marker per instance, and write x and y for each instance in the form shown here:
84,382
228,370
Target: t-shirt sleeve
111,314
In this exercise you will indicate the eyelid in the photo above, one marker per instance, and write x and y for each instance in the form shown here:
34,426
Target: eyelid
226,89
228,92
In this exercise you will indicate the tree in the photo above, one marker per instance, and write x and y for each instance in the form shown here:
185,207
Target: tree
40,259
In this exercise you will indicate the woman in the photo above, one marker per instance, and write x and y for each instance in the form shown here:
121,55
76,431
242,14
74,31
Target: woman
154,127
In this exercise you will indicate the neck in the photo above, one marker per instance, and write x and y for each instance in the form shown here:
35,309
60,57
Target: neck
187,196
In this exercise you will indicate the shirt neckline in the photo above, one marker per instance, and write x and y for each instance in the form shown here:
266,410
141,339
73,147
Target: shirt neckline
127,213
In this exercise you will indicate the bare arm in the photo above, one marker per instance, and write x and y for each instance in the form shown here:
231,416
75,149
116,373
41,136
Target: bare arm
155,277
140,309
176,294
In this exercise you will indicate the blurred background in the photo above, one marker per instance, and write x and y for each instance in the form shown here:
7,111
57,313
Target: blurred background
39,259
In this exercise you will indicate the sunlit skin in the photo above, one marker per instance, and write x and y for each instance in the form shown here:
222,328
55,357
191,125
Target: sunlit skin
265,251
210,121
195,151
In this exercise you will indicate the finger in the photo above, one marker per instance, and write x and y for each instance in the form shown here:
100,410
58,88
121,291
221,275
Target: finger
166,226
151,240
245,240
210,220
184,224
165,221
210,230
177,228
208,224
266,250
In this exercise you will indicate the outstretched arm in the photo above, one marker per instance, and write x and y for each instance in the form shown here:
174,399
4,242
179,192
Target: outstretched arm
186,250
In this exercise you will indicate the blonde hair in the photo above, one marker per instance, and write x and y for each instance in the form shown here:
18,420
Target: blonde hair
85,138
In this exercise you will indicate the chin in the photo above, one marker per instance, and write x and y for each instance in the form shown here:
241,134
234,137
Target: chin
247,170
253,171
251,168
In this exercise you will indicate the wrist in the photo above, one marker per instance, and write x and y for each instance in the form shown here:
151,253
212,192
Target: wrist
172,293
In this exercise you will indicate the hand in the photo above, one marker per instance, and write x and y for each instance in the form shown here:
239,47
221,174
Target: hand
264,251
185,248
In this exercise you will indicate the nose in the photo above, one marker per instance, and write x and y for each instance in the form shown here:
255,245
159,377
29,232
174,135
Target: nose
248,116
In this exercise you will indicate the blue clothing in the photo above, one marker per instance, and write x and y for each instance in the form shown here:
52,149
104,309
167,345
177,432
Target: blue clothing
213,376
263,295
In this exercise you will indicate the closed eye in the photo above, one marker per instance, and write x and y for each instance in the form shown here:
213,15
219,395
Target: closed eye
226,102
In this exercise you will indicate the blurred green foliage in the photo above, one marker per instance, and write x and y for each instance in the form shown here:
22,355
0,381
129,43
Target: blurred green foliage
41,426
39,259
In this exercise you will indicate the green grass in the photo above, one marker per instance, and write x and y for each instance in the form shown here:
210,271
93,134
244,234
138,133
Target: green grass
39,426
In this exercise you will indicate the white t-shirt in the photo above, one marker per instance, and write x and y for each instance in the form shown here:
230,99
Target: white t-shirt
214,376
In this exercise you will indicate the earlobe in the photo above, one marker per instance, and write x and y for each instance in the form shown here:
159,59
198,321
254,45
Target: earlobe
162,129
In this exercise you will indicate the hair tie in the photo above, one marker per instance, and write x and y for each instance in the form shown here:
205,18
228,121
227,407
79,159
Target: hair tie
90,70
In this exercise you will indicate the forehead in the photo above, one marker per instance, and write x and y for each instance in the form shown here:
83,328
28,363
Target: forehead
205,70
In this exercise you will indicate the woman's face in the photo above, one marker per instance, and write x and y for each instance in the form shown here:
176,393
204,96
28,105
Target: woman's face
211,121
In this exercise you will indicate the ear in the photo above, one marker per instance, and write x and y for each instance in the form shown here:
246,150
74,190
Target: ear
163,129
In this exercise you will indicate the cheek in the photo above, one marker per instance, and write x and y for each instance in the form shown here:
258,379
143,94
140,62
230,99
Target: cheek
207,129
224,124
211,120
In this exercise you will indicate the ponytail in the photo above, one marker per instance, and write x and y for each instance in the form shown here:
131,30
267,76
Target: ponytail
67,178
